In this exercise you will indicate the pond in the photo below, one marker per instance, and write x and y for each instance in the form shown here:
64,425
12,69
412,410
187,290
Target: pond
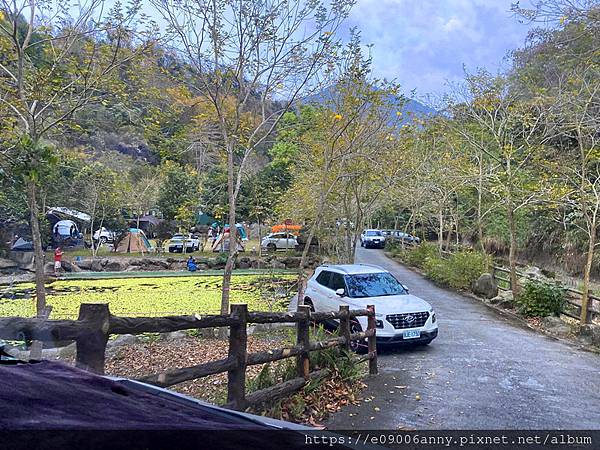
159,296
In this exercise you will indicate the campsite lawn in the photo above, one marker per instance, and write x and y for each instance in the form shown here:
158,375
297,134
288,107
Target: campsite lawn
251,249
152,296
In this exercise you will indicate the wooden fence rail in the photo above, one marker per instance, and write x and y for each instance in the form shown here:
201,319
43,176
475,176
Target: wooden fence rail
95,324
572,299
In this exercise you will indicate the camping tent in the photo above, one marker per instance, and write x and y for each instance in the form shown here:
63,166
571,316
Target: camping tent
134,241
65,228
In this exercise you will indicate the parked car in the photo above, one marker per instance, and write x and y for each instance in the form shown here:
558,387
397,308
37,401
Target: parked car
279,241
177,242
400,235
400,316
104,235
372,238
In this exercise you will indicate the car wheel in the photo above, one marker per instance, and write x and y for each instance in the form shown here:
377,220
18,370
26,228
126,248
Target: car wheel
103,240
309,302
357,346
271,247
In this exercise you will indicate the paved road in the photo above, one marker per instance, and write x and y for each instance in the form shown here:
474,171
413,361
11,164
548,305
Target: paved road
484,371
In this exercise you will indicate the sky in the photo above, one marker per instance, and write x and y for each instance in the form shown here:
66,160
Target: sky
423,44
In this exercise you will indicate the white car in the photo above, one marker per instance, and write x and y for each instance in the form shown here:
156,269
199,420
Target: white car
279,241
372,238
104,235
400,316
176,243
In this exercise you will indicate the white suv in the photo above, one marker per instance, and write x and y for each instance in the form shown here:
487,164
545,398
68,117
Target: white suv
400,316
372,238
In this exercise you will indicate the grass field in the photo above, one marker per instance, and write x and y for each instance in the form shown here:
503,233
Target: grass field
152,296
251,247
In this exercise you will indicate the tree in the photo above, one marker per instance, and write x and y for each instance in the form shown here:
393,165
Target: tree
54,62
347,139
178,187
100,193
513,125
245,54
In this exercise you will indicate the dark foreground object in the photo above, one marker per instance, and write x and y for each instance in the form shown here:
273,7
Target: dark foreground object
51,405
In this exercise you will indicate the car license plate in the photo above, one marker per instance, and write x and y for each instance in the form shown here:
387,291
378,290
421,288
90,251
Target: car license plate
411,334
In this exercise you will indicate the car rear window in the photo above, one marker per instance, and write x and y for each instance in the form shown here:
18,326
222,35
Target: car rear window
373,285
373,233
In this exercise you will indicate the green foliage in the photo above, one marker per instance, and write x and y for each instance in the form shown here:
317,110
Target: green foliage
457,271
541,299
418,256
179,188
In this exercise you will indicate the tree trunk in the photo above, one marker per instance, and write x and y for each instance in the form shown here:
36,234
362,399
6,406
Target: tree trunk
479,206
441,230
232,235
259,239
38,251
512,254
311,234
586,274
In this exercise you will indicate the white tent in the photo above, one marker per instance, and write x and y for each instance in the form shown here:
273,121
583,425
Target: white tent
65,228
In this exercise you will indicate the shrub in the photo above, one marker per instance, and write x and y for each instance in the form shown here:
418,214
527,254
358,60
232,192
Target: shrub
541,299
465,268
418,255
437,269
459,271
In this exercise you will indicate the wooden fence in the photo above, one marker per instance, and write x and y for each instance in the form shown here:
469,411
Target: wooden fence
572,298
95,324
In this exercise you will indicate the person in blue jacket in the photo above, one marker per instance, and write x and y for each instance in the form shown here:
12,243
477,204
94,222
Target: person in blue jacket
191,264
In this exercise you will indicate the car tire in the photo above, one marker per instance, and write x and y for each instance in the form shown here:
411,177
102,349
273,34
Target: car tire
357,346
271,247
103,240
309,302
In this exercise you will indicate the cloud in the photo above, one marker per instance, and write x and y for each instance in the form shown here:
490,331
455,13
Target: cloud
425,43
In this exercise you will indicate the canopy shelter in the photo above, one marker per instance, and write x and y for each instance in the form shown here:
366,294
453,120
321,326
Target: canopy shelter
61,213
134,241
286,228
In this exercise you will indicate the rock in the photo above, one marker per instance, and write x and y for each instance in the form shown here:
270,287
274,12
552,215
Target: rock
7,264
485,286
275,264
556,326
243,265
590,333
98,265
84,264
122,339
534,272
116,265
70,267
504,299
173,336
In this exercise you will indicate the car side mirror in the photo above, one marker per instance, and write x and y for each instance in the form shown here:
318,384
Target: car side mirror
340,292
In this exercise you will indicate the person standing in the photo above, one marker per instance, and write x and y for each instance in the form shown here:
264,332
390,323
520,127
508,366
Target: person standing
58,253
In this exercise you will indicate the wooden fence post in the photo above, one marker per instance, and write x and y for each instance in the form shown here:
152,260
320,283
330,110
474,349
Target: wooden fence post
91,345
372,340
590,307
303,338
345,325
238,340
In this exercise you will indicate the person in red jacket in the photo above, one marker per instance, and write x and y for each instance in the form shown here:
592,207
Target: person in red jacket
58,253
